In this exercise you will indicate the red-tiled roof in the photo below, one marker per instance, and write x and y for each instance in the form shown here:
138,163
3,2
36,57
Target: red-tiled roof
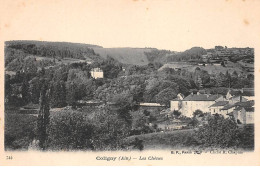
201,97
220,103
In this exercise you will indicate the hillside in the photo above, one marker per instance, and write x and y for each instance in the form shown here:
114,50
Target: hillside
135,56
57,50
211,69
45,54
60,50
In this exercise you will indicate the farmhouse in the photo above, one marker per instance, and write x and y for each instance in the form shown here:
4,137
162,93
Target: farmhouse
97,73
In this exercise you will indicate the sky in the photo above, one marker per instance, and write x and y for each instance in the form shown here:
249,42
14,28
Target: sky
164,24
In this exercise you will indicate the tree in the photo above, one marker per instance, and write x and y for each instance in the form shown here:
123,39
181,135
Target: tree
165,96
176,113
197,113
110,130
219,131
58,94
25,91
71,94
70,130
125,104
35,89
199,82
43,117
227,79
8,87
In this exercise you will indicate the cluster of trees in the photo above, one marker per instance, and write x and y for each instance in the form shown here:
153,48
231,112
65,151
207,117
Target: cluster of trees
144,88
68,83
94,129
224,132
202,79
194,53
231,80
17,60
54,49
164,56
156,55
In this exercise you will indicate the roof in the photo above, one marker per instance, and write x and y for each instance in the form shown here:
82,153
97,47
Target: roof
201,97
220,103
235,92
249,109
243,92
245,104
248,93
228,106
151,104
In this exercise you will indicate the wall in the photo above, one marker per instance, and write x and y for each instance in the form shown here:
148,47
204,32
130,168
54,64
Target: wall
188,107
217,110
249,117
97,75
174,105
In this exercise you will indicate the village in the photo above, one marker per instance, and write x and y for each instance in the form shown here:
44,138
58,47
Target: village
237,103
183,94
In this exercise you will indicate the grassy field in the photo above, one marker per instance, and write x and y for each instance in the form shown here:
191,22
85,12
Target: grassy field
133,56
164,140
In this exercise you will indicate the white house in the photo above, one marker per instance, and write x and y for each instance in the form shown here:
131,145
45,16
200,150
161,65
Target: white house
97,73
193,102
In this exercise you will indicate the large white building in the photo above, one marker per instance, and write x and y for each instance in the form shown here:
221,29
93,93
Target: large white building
97,73
193,102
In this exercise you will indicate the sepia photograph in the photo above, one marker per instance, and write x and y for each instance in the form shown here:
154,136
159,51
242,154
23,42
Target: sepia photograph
129,82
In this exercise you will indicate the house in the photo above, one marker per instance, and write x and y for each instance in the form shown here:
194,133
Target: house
233,104
248,93
195,101
244,112
227,109
234,98
216,108
97,73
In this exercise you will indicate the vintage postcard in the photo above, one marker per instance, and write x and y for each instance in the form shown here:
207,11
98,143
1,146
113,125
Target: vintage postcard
129,82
